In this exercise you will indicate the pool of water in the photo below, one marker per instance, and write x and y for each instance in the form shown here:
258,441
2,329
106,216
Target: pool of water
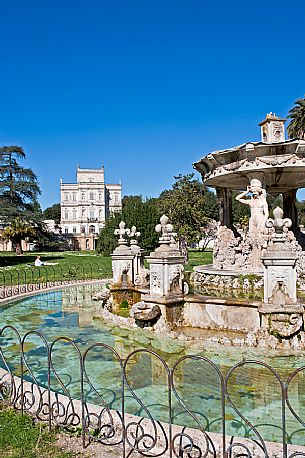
72,313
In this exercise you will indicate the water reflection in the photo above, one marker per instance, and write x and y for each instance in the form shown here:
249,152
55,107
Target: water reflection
253,389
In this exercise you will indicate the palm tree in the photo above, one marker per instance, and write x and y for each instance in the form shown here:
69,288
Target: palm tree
296,128
17,231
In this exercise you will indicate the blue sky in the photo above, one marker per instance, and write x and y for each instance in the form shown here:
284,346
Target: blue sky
143,87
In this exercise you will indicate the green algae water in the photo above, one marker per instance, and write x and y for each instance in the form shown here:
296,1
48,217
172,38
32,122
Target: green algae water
71,312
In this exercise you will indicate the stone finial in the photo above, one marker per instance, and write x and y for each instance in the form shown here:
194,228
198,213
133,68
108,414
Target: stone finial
134,235
122,231
278,223
166,230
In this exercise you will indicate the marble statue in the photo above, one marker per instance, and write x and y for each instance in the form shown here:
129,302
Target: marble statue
258,205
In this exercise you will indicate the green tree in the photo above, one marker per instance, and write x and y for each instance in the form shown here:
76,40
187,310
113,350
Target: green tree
136,211
301,212
52,212
189,205
17,231
18,185
296,128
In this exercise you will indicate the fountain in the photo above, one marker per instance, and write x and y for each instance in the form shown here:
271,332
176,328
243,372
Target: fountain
274,166
267,258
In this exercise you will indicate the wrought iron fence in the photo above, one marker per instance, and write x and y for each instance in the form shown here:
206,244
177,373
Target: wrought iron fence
142,405
15,281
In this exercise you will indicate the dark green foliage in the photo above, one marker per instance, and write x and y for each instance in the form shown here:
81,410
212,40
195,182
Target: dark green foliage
144,214
107,241
52,212
189,205
240,212
274,201
48,241
296,128
18,186
301,212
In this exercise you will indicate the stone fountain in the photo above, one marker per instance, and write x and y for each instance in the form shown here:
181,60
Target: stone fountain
272,166
268,257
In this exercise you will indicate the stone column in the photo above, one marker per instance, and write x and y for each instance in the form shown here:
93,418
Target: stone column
281,314
224,197
290,209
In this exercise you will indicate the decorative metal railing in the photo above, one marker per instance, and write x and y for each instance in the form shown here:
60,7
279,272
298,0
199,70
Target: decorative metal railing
15,281
197,411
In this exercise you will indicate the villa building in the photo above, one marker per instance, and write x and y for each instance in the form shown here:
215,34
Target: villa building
85,206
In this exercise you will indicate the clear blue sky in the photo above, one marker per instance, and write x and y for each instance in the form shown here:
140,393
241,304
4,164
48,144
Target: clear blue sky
143,87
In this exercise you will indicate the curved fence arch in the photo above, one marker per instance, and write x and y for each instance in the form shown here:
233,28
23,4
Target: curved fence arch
150,408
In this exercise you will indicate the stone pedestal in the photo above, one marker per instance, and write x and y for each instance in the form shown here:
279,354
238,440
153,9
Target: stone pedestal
122,266
280,277
166,271
281,315
141,274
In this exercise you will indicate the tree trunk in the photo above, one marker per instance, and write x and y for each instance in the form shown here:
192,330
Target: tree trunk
18,248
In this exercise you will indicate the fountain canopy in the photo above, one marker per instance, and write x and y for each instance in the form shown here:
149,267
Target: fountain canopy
278,163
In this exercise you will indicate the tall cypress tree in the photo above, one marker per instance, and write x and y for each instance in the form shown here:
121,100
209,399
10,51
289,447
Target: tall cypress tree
18,185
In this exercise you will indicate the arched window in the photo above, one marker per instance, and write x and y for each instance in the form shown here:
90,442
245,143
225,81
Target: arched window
91,229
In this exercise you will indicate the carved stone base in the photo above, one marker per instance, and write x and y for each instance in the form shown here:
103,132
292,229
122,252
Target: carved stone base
283,323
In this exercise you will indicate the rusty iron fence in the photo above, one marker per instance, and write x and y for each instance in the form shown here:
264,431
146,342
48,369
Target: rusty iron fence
198,411
15,281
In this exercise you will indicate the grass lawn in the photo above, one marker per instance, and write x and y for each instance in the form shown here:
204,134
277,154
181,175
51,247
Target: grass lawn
20,437
68,265
198,258
64,266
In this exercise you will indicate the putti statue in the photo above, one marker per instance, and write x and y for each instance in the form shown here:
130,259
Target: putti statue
281,313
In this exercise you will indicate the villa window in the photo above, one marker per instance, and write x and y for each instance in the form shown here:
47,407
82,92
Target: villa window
92,196
116,198
74,197
83,196
66,230
83,229
74,214
91,213
66,214
74,230
66,196
91,229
